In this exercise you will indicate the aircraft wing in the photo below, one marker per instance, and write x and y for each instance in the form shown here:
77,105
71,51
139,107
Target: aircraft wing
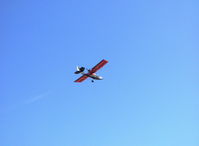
98,66
81,79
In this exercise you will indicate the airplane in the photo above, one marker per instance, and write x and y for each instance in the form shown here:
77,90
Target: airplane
91,73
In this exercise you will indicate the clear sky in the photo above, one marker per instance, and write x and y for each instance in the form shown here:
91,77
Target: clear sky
150,92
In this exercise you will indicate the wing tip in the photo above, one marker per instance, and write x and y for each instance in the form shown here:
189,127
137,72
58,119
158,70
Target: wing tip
105,60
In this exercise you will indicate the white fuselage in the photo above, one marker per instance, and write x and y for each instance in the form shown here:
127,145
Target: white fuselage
93,76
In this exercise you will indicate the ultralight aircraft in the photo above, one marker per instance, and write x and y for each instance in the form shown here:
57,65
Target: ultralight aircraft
90,73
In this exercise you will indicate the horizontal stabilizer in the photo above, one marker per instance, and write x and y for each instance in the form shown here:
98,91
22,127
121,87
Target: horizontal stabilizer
79,70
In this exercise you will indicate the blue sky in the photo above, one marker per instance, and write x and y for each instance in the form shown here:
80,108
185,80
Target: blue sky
149,95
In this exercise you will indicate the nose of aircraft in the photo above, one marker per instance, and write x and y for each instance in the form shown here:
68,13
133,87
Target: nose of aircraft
101,78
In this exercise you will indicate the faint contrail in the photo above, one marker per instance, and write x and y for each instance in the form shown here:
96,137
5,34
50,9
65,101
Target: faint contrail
37,98
23,103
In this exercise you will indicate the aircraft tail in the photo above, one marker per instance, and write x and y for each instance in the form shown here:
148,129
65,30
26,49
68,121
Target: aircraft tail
79,70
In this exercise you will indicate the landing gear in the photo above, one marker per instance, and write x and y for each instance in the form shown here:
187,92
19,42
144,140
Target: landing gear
92,81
